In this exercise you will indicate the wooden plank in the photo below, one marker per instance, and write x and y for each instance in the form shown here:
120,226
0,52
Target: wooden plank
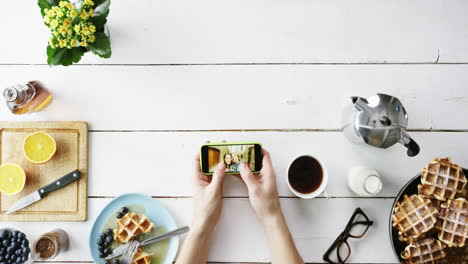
239,237
260,31
241,97
67,204
160,163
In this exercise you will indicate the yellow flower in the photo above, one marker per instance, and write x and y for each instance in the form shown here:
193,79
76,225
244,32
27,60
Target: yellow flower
51,13
70,32
76,28
60,14
84,43
92,28
54,23
67,22
73,14
73,42
62,3
70,6
56,9
89,2
84,15
47,19
91,12
63,30
85,31
51,41
56,33
62,43
92,38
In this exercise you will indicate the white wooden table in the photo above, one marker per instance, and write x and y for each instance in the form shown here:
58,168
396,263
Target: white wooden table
286,67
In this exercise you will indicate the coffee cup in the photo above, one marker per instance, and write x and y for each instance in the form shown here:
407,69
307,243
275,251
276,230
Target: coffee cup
307,176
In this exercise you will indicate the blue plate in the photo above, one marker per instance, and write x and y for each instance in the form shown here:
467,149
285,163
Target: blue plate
155,211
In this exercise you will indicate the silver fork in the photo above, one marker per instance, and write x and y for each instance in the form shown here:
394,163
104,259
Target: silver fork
129,253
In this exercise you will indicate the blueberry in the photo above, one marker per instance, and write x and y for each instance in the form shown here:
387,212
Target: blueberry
100,248
102,236
102,255
109,239
119,215
4,234
109,232
26,250
19,252
105,244
21,235
25,243
19,260
2,251
24,258
11,250
105,262
100,242
7,256
14,245
6,243
3,262
107,251
124,210
2,258
115,261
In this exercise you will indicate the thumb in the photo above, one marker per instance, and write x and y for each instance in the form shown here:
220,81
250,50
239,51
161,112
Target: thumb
218,176
247,175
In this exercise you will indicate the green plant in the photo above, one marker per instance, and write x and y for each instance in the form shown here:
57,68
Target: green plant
76,28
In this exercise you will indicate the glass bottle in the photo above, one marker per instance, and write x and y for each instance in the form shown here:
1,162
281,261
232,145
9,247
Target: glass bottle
50,244
27,98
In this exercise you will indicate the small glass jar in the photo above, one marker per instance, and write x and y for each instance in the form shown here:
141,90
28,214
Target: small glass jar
364,181
50,244
27,98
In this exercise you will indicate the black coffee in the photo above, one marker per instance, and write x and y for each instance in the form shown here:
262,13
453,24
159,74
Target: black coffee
305,174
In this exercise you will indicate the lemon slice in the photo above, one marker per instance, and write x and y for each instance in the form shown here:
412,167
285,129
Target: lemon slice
12,178
39,147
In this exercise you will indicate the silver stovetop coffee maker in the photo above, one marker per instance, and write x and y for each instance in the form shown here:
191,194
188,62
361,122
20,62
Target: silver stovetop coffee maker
379,121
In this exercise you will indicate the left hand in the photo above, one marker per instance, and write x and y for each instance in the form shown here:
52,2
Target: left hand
207,197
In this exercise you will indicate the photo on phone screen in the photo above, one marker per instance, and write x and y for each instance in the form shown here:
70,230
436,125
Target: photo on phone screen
232,156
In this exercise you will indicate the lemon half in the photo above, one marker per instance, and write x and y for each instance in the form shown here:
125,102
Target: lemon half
39,147
12,178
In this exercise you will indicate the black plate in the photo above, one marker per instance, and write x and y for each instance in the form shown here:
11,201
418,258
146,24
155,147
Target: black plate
410,188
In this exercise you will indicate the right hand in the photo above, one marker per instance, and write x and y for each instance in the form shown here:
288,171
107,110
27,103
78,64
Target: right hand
263,193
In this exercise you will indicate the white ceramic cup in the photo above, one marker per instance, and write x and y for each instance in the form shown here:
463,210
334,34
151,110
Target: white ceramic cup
319,190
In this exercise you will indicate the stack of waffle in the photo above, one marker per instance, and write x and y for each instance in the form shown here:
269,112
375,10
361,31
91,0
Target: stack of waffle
435,218
130,226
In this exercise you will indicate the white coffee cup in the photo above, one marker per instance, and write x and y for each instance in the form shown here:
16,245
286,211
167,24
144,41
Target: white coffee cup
316,192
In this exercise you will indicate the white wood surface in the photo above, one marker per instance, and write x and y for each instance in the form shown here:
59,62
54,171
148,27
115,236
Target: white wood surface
259,31
154,157
314,224
287,67
242,97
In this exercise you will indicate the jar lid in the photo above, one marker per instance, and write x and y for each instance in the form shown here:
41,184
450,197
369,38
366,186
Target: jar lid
10,94
373,184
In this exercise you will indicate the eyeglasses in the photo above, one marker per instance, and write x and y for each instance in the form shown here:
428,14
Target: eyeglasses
356,228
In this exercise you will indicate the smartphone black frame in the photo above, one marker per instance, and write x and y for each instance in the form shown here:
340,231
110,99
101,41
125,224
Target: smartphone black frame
204,156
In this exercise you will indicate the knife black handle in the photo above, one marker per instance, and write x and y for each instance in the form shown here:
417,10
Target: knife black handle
62,182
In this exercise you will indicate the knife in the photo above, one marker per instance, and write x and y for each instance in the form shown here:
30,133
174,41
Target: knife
121,249
42,192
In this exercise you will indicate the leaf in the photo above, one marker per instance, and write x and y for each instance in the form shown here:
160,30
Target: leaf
101,11
101,46
43,4
64,56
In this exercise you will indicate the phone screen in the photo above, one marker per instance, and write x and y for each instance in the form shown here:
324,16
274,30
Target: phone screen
232,156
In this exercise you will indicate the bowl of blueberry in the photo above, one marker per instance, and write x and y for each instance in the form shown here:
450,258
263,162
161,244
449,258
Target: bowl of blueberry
14,247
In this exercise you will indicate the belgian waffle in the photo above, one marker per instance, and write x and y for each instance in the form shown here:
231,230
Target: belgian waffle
442,179
131,225
142,257
414,217
452,225
425,251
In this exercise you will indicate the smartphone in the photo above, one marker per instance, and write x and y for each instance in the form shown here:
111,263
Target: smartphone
232,154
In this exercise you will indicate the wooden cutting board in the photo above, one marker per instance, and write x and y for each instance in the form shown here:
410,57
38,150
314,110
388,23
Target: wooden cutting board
67,204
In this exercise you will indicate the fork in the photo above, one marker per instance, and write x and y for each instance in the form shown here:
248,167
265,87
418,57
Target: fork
129,253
